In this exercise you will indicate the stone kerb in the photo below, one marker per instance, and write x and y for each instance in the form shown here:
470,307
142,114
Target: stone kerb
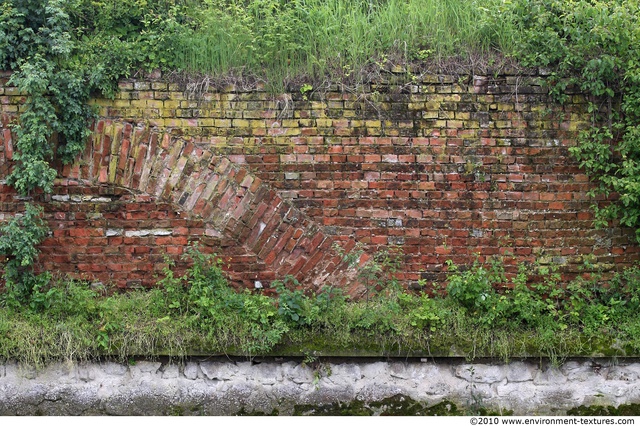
219,387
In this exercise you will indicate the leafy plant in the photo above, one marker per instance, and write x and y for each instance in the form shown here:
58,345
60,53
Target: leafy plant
377,274
594,47
304,90
292,304
19,238
472,288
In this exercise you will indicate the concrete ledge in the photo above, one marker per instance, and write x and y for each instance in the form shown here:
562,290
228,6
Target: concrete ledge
286,387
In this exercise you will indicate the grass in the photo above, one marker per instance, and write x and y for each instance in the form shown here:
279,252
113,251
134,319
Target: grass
199,314
335,39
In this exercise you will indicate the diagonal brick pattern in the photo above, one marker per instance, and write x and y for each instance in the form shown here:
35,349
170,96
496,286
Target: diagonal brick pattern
224,196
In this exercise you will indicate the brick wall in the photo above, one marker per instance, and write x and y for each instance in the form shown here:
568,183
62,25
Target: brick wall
442,167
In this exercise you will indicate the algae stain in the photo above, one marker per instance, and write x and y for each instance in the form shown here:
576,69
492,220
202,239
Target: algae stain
397,405
601,410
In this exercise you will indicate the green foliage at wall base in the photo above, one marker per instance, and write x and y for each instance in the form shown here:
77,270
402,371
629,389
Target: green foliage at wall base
200,314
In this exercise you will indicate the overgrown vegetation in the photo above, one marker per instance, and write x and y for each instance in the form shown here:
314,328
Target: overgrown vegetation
593,48
336,40
199,313
62,52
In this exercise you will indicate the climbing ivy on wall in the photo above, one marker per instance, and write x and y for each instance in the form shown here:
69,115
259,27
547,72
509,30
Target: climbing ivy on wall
35,42
594,47
61,52
44,43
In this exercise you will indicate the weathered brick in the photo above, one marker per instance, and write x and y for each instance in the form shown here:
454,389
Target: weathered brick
471,164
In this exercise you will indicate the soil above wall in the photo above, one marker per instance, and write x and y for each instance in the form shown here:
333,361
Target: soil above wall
442,167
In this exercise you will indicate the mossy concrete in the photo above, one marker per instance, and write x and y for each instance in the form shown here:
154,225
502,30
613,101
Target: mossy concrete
329,386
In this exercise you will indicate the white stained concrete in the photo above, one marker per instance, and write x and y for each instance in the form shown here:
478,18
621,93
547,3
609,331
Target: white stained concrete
230,387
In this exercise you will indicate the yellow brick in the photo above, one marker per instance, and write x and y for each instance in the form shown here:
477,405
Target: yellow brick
171,104
146,113
101,102
141,104
157,122
252,114
152,103
373,123
186,123
172,123
167,113
11,91
505,107
119,103
176,95
430,78
432,106
228,96
241,106
451,98
578,125
210,113
238,122
292,131
222,122
207,122
324,122
318,113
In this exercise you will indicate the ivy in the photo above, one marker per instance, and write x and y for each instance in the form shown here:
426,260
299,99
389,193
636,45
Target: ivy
594,46
36,43
61,52
19,239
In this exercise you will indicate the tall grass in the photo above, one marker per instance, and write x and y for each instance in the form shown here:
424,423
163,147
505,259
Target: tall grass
324,37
